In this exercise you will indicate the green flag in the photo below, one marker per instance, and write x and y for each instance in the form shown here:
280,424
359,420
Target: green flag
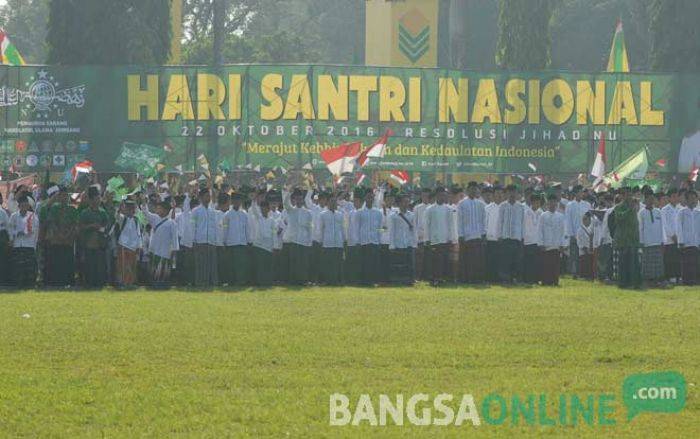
618,61
634,167
143,159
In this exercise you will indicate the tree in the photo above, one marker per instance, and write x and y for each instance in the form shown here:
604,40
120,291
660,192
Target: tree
108,32
582,33
25,23
675,37
524,38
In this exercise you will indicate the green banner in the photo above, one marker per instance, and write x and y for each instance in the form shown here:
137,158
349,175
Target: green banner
443,121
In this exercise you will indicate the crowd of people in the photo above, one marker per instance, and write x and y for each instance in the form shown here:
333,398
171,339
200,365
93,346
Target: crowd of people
223,236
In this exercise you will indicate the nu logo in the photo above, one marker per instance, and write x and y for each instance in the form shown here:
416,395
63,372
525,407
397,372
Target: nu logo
414,35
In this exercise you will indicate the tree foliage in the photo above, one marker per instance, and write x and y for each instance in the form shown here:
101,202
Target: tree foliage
25,22
108,32
524,37
675,36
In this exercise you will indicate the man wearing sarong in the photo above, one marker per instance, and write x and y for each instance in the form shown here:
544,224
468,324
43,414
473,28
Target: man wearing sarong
511,216
332,224
298,237
370,224
206,234
688,238
59,229
24,231
531,250
263,231
625,233
439,225
672,254
402,243
129,237
5,267
93,226
353,256
552,241
472,233
651,238
237,237
163,244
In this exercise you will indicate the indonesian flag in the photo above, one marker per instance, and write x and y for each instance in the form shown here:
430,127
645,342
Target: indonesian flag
84,167
598,170
341,160
375,151
661,163
359,178
694,173
400,177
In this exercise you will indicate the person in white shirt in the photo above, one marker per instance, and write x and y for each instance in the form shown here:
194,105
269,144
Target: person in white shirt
24,232
5,267
298,237
493,198
455,197
353,257
223,205
403,240
370,224
422,257
129,235
552,241
236,268
602,238
332,224
688,231
586,247
669,220
163,244
316,210
471,219
185,256
264,231
531,249
511,217
439,220
651,239
575,209
206,234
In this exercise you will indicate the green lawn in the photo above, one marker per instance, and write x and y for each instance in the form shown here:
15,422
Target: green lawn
264,363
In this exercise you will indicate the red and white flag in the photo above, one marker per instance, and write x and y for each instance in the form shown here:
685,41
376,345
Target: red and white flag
694,173
661,163
598,170
341,160
401,177
359,178
84,167
375,151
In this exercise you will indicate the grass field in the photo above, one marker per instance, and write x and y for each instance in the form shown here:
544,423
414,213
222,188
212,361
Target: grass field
264,363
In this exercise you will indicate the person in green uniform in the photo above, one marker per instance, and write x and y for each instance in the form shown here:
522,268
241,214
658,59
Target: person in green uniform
59,229
94,222
624,228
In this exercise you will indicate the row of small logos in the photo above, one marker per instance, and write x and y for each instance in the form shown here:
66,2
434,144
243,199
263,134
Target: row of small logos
30,161
43,146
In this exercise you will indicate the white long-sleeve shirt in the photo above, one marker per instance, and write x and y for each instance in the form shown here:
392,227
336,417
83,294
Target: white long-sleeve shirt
531,224
263,230
370,225
185,224
419,212
585,239
575,210
316,211
511,217
471,219
131,235
688,221
552,231
24,230
669,219
332,224
299,223
403,233
4,221
236,228
439,223
491,211
651,232
164,236
353,227
206,225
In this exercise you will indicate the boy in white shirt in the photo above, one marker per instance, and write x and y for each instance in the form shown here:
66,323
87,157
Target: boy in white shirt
128,236
669,219
531,249
332,233
164,242
651,239
586,247
688,232
5,267
236,268
552,241
24,231
438,227
264,231
402,243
